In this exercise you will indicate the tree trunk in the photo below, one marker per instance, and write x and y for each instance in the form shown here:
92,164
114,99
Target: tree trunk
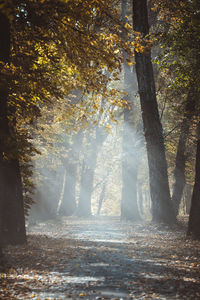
86,187
87,172
11,198
130,165
187,198
87,178
179,171
141,200
13,206
162,210
129,207
194,219
68,204
101,198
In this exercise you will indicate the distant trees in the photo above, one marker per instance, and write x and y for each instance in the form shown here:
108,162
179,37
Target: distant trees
50,51
130,153
131,159
90,153
68,204
45,53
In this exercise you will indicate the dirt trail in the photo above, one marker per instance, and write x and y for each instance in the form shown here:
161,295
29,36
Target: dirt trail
102,258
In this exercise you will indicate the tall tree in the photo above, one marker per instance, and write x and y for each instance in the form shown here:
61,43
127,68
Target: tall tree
179,34
68,205
194,219
129,206
11,198
180,163
88,169
162,210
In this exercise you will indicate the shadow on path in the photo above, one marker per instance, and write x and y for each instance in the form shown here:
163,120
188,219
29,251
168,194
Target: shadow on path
103,259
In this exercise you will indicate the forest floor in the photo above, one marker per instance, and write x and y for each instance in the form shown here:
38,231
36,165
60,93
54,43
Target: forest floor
102,258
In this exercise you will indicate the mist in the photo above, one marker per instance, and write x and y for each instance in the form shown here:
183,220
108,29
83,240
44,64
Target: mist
94,172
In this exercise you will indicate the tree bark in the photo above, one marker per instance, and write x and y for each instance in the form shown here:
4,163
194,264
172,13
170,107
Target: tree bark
12,207
130,164
179,171
162,210
141,200
86,187
194,219
68,204
101,198
87,172
11,197
187,198
87,178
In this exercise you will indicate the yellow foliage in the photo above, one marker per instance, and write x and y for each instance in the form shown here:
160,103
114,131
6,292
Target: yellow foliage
128,26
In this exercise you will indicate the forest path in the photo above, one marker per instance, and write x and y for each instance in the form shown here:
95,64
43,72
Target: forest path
102,258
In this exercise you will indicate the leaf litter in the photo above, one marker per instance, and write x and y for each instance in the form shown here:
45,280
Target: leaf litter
102,258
